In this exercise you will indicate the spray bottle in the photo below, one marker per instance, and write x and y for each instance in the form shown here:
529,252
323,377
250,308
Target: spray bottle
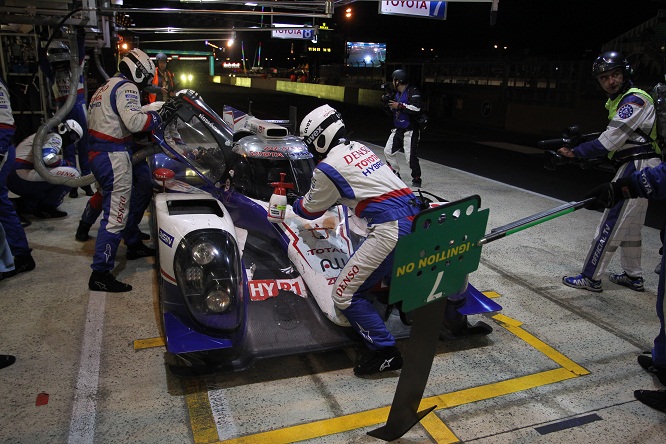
277,206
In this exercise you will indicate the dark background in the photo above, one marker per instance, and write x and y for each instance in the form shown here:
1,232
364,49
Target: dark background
563,28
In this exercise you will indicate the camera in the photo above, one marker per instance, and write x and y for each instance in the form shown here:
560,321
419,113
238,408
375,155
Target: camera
388,93
571,137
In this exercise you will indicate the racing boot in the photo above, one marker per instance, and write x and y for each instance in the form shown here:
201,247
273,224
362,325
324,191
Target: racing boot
22,263
648,364
73,193
88,190
377,361
49,213
652,398
139,250
82,232
6,360
105,281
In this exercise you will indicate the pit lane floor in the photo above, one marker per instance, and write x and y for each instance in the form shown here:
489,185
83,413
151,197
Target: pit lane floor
559,366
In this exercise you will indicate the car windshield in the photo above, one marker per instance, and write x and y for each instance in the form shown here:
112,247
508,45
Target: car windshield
255,175
193,141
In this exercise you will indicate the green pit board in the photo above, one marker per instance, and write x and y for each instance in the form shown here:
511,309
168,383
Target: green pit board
433,262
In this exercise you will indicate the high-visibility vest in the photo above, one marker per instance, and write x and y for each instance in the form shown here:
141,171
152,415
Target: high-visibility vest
611,106
156,82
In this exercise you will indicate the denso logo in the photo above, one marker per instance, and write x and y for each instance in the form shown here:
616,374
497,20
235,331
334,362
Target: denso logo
122,204
166,238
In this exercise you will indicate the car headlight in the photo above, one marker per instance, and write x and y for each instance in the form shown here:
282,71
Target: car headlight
218,300
203,253
209,273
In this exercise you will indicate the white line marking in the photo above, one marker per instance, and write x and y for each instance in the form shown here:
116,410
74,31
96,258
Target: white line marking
222,414
82,424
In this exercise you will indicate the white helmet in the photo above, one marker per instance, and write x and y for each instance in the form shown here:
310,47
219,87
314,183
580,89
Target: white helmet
322,129
57,52
70,131
137,66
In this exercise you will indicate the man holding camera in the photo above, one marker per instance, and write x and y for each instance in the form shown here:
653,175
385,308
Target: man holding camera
629,140
403,102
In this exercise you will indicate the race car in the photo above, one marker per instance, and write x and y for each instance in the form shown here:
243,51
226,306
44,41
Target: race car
234,286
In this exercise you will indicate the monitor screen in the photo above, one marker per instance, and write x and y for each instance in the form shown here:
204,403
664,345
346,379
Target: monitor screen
366,54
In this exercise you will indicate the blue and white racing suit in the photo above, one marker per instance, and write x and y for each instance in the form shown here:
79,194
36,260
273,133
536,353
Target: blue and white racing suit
114,114
10,221
629,131
651,184
354,176
25,181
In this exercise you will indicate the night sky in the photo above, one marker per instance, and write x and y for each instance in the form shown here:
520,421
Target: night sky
568,29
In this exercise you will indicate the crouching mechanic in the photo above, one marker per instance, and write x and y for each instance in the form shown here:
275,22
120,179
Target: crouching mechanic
114,114
36,195
649,183
349,173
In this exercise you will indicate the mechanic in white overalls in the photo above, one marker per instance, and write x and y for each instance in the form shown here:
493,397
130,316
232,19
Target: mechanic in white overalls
114,114
629,140
349,173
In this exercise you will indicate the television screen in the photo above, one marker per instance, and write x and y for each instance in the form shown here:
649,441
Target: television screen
366,54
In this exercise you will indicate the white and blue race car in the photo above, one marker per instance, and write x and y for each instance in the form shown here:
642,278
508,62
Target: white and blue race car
235,286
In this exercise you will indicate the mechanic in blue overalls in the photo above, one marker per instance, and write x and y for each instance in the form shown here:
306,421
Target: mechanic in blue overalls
374,193
629,140
649,183
114,115
404,105
16,238
55,64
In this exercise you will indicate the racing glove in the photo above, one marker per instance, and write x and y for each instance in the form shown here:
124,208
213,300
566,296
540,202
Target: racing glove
607,195
170,108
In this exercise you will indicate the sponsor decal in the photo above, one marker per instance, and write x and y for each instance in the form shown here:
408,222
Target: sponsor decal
333,264
318,251
166,238
275,154
601,244
625,111
344,281
262,289
121,209
311,138
205,120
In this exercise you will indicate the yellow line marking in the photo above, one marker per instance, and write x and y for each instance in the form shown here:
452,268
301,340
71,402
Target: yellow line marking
437,430
201,415
491,294
140,344
513,326
432,423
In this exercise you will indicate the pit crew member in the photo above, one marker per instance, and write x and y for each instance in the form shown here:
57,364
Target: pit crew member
37,196
649,183
349,173
629,140
114,114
